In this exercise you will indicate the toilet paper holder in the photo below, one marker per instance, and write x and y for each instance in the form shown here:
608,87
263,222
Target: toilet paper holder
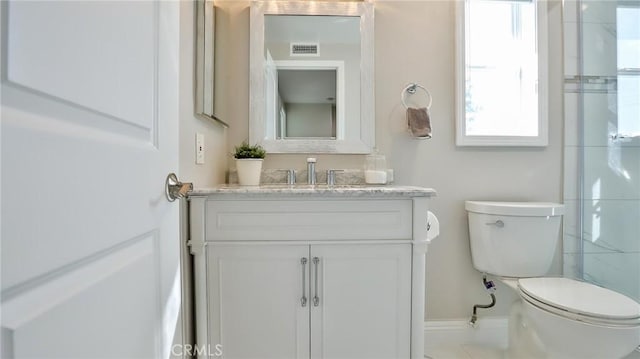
433,226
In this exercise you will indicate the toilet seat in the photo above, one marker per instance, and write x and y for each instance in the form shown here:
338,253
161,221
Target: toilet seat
580,301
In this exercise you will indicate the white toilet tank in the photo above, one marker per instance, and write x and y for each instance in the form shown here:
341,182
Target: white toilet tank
513,239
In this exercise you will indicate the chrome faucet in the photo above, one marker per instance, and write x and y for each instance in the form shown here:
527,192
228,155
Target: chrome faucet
291,176
311,170
331,177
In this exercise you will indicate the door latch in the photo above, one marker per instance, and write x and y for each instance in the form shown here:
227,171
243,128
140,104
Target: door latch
175,189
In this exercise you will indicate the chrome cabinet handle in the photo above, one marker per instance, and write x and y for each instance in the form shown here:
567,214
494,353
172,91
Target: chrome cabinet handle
303,300
316,299
497,223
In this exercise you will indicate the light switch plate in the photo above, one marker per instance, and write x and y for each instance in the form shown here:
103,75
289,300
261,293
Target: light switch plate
199,149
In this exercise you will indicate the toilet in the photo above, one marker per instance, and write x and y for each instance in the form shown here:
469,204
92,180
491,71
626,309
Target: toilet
555,317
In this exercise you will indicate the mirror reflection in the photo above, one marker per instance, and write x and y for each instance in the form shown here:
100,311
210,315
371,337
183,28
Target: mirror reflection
306,103
312,75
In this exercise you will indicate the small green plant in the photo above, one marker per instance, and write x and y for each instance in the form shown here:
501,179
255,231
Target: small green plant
247,151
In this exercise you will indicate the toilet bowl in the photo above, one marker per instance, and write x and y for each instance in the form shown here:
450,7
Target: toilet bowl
556,317
573,319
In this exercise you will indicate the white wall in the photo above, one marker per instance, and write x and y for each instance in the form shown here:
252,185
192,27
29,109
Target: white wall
216,149
414,42
213,170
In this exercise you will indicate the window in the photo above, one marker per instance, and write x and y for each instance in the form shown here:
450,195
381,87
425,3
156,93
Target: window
628,58
501,65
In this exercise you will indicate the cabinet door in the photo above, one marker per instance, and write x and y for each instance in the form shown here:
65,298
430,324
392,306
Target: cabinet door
363,308
254,298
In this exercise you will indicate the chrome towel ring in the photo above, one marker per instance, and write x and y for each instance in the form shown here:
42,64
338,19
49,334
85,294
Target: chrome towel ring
411,89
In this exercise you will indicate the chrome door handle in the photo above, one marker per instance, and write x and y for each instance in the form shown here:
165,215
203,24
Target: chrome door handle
175,189
303,300
497,223
316,298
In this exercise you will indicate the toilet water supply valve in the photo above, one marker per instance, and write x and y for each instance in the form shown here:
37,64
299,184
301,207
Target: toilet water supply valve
491,288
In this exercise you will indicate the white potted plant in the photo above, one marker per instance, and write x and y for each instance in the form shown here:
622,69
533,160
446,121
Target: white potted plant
249,163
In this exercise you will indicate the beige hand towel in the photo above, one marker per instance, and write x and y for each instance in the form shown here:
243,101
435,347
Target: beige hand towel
419,122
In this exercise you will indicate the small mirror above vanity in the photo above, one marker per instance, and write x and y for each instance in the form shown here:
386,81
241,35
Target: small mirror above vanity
204,64
311,87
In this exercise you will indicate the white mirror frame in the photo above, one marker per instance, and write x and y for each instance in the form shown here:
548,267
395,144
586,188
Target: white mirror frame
542,139
257,118
204,62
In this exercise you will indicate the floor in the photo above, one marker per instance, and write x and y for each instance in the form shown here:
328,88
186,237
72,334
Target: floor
465,351
469,351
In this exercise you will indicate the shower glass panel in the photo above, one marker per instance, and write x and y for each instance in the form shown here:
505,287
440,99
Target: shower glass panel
602,82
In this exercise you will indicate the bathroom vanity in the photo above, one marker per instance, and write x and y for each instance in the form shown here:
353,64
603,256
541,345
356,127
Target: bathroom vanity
310,271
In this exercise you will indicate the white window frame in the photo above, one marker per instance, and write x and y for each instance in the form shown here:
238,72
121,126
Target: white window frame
622,134
542,139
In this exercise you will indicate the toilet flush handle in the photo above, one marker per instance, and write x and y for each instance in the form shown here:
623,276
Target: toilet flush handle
497,223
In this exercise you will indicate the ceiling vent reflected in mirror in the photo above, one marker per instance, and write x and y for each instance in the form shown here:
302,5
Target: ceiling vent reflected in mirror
304,49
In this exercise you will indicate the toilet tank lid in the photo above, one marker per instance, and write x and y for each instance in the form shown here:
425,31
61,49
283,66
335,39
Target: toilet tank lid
535,209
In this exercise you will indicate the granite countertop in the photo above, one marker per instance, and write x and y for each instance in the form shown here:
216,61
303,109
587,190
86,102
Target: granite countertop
319,190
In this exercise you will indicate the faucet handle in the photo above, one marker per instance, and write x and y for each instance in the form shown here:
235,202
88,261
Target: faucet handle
331,176
291,176
311,170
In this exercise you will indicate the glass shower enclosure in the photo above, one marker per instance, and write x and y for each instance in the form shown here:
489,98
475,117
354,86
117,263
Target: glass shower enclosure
602,143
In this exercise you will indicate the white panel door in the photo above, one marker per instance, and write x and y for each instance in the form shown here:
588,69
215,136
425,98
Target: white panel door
90,246
363,306
255,298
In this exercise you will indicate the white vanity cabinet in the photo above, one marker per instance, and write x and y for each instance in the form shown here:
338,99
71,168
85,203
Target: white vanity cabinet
291,275
253,304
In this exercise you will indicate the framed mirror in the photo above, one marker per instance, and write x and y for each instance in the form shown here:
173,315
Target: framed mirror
311,74
204,66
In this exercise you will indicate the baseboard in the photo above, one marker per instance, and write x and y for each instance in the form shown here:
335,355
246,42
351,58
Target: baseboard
488,331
